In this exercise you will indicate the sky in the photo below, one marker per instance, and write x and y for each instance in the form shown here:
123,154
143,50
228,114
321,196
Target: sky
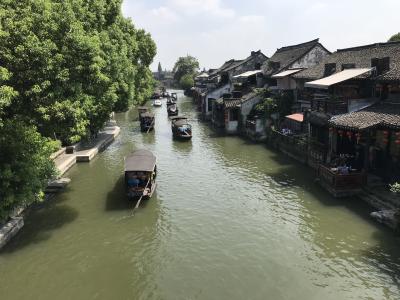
215,31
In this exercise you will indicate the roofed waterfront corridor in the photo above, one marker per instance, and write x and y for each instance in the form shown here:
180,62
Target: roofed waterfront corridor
230,220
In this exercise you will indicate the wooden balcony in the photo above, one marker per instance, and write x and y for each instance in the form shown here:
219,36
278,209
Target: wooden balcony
340,185
330,106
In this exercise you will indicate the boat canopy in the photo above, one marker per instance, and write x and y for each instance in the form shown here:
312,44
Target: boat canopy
140,160
179,121
147,115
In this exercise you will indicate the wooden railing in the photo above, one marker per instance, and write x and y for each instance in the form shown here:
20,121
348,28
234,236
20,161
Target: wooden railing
340,183
294,144
330,106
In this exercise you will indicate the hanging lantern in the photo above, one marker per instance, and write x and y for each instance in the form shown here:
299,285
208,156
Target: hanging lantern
340,132
330,129
385,141
397,134
385,133
397,142
349,134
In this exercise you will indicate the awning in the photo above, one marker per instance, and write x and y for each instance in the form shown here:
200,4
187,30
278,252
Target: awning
296,117
286,73
326,82
247,74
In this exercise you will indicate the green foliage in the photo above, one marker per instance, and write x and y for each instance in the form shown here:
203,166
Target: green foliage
71,63
25,166
187,65
395,38
280,104
186,81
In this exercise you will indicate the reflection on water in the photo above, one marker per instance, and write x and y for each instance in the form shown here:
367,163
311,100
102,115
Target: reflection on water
230,220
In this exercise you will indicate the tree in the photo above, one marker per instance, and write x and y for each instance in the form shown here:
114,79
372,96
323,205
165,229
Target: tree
25,167
185,66
186,81
395,38
65,65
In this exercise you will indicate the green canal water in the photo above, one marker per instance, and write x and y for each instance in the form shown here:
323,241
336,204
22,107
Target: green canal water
230,220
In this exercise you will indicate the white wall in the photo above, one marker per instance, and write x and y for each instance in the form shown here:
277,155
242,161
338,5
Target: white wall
216,94
286,83
315,56
247,107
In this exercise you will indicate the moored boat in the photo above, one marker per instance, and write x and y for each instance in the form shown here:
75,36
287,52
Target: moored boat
181,129
147,121
140,174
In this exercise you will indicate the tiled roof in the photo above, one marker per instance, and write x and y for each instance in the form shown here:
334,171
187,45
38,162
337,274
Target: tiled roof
285,56
233,102
253,54
361,58
379,115
225,66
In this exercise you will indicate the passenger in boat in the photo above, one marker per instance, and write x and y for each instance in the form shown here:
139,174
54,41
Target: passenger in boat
133,181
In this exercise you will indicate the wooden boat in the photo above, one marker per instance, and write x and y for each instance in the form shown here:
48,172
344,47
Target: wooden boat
181,129
140,174
142,109
170,101
147,121
174,96
155,95
172,110
157,103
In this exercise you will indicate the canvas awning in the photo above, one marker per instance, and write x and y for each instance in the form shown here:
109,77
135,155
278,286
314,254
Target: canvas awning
247,74
344,75
141,160
286,73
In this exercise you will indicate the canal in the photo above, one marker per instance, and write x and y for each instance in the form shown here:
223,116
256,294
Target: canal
230,220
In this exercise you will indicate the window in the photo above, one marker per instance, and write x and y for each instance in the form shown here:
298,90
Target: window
382,65
329,69
234,114
348,66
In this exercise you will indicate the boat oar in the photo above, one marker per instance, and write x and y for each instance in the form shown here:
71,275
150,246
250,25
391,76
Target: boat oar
141,197
151,125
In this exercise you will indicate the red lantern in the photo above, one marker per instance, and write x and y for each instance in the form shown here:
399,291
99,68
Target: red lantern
330,129
397,142
385,133
397,134
385,141
340,132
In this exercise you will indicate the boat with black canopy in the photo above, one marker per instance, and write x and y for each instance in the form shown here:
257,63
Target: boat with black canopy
147,121
140,174
172,110
181,129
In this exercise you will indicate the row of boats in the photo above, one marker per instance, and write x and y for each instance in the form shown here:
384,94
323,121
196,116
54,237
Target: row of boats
140,166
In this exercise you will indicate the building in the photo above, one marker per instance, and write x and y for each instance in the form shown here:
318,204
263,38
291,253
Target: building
222,80
354,116
290,60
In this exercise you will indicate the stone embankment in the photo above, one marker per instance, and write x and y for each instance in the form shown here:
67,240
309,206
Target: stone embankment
64,160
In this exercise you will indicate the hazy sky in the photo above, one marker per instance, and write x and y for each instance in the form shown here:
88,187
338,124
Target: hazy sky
217,30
